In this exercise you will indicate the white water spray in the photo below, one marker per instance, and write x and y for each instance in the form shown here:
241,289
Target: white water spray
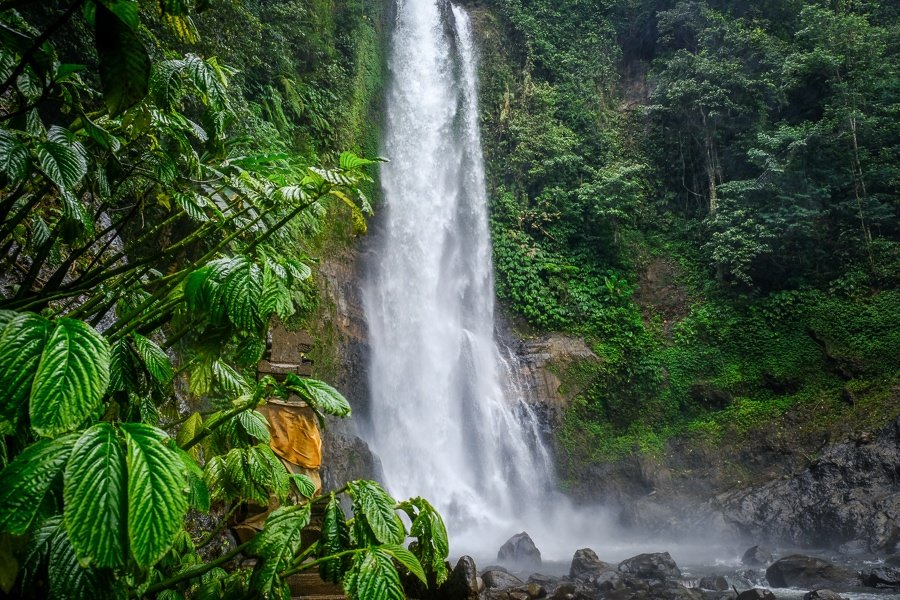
447,421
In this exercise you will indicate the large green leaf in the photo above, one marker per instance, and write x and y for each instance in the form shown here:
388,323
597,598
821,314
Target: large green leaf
276,545
156,499
428,528
254,424
373,506
13,157
319,395
407,559
62,159
335,538
276,298
155,359
71,378
50,549
21,344
198,492
25,481
123,369
124,63
243,292
374,577
95,496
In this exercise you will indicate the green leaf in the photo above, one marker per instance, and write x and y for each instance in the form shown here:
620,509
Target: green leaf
66,578
375,508
276,545
125,10
255,425
304,484
319,395
243,291
407,559
25,481
123,371
227,377
192,206
62,160
197,490
94,495
156,500
155,359
276,298
21,344
374,577
124,62
14,157
335,538
189,430
350,161
71,378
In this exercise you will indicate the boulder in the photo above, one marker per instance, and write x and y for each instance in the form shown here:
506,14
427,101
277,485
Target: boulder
808,572
500,579
658,565
756,594
757,556
462,583
586,563
822,595
882,577
520,550
536,590
717,584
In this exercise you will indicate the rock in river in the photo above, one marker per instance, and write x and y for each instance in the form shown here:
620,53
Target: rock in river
807,572
658,565
520,550
757,556
882,577
586,563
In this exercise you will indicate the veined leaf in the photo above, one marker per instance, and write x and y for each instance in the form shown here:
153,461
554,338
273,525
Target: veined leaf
350,161
189,430
198,491
14,157
66,577
71,378
156,500
276,545
255,425
374,507
407,559
94,496
27,478
125,10
21,344
319,395
276,298
183,27
123,371
304,484
63,161
124,63
431,534
335,538
228,378
243,290
191,206
374,577
155,359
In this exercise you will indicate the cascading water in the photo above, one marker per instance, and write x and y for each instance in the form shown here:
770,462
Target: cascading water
447,421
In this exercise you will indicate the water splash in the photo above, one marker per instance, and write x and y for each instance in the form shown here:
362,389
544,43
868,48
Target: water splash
447,420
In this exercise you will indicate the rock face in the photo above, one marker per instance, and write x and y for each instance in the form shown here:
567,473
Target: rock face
882,577
462,584
808,572
822,595
849,493
519,550
757,556
658,565
586,563
756,594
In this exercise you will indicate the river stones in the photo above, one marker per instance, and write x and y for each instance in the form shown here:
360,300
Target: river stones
882,577
808,572
822,595
586,563
500,579
757,556
519,550
658,565
716,584
756,594
462,584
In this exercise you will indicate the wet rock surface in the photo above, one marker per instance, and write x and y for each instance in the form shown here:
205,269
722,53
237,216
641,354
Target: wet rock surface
519,550
757,556
657,565
756,594
586,563
808,572
822,595
886,577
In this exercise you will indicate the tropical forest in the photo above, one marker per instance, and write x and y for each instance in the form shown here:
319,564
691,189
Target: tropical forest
450,299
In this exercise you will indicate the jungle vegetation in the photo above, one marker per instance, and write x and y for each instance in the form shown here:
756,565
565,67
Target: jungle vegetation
158,209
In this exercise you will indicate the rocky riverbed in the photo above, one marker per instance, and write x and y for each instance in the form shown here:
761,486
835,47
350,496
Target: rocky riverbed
760,574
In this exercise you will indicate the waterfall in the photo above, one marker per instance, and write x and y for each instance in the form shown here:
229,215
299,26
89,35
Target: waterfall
448,420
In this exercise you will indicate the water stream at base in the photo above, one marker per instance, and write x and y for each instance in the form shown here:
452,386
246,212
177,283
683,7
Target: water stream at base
448,420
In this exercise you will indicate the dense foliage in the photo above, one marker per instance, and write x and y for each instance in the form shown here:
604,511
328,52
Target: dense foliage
708,192
153,220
